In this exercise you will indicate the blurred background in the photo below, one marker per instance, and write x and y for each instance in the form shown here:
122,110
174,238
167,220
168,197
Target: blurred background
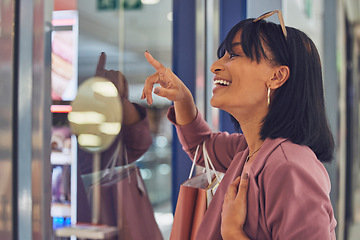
50,47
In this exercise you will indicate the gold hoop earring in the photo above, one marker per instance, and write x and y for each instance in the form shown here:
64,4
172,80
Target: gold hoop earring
268,96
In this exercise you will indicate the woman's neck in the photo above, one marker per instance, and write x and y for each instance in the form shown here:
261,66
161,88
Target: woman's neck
253,139
251,127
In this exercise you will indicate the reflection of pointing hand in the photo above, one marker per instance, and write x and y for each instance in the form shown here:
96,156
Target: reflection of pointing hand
171,87
116,77
100,69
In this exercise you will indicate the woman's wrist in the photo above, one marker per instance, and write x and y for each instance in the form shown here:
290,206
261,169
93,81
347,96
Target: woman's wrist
185,109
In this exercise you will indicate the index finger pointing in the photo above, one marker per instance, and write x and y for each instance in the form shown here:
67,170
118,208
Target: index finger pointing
157,65
101,65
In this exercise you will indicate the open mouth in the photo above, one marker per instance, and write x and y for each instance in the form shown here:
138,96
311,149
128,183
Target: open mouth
222,82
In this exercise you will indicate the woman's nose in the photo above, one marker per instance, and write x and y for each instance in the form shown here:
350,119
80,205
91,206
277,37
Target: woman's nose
216,66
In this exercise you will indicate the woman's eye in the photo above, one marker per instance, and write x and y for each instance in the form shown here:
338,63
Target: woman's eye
232,55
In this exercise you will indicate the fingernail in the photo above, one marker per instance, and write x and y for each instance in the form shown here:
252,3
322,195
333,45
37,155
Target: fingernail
147,51
245,176
102,53
156,91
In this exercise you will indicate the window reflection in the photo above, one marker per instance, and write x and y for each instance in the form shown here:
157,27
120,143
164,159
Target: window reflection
125,34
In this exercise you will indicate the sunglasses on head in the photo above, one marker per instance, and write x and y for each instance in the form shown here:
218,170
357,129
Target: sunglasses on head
281,20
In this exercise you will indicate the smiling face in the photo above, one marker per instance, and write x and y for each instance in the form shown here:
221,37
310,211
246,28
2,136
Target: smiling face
240,83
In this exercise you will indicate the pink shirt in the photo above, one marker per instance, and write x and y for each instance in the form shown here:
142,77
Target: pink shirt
288,196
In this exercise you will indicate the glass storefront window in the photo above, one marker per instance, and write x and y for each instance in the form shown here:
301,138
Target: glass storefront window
124,33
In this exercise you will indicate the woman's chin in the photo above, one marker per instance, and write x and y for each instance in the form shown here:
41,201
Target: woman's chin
213,103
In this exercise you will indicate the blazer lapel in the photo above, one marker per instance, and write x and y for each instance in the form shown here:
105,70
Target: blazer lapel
252,220
267,148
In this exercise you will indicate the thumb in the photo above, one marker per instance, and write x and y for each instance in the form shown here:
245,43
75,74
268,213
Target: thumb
165,92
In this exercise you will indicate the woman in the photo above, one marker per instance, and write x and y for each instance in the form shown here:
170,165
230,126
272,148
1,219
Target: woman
269,79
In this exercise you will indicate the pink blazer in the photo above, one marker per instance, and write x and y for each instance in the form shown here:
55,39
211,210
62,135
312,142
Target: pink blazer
288,195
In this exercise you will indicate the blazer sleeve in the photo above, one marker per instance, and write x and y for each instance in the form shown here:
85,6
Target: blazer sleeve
221,146
297,204
137,137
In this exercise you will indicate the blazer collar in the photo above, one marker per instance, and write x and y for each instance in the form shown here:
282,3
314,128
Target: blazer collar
267,148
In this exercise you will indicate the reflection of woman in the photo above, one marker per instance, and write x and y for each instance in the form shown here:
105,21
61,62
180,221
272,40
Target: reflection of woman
269,79
135,135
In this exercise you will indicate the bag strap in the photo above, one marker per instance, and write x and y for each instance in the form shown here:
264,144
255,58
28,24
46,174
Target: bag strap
193,164
126,162
207,162
110,166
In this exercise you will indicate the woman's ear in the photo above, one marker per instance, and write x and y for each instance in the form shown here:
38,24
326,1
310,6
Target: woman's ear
281,75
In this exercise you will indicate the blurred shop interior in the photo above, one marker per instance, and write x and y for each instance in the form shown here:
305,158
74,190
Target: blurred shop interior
81,31
50,47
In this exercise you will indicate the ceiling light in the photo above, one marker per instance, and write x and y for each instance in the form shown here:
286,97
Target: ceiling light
169,16
107,89
150,1
86,117
89,140
110,128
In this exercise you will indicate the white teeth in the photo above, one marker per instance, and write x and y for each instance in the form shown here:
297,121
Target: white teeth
222,82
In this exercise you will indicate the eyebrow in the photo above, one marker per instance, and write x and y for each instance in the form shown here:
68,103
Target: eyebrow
236,44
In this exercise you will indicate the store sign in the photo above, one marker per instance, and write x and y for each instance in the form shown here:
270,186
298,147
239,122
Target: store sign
132,4
308,8
114,4
107,4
